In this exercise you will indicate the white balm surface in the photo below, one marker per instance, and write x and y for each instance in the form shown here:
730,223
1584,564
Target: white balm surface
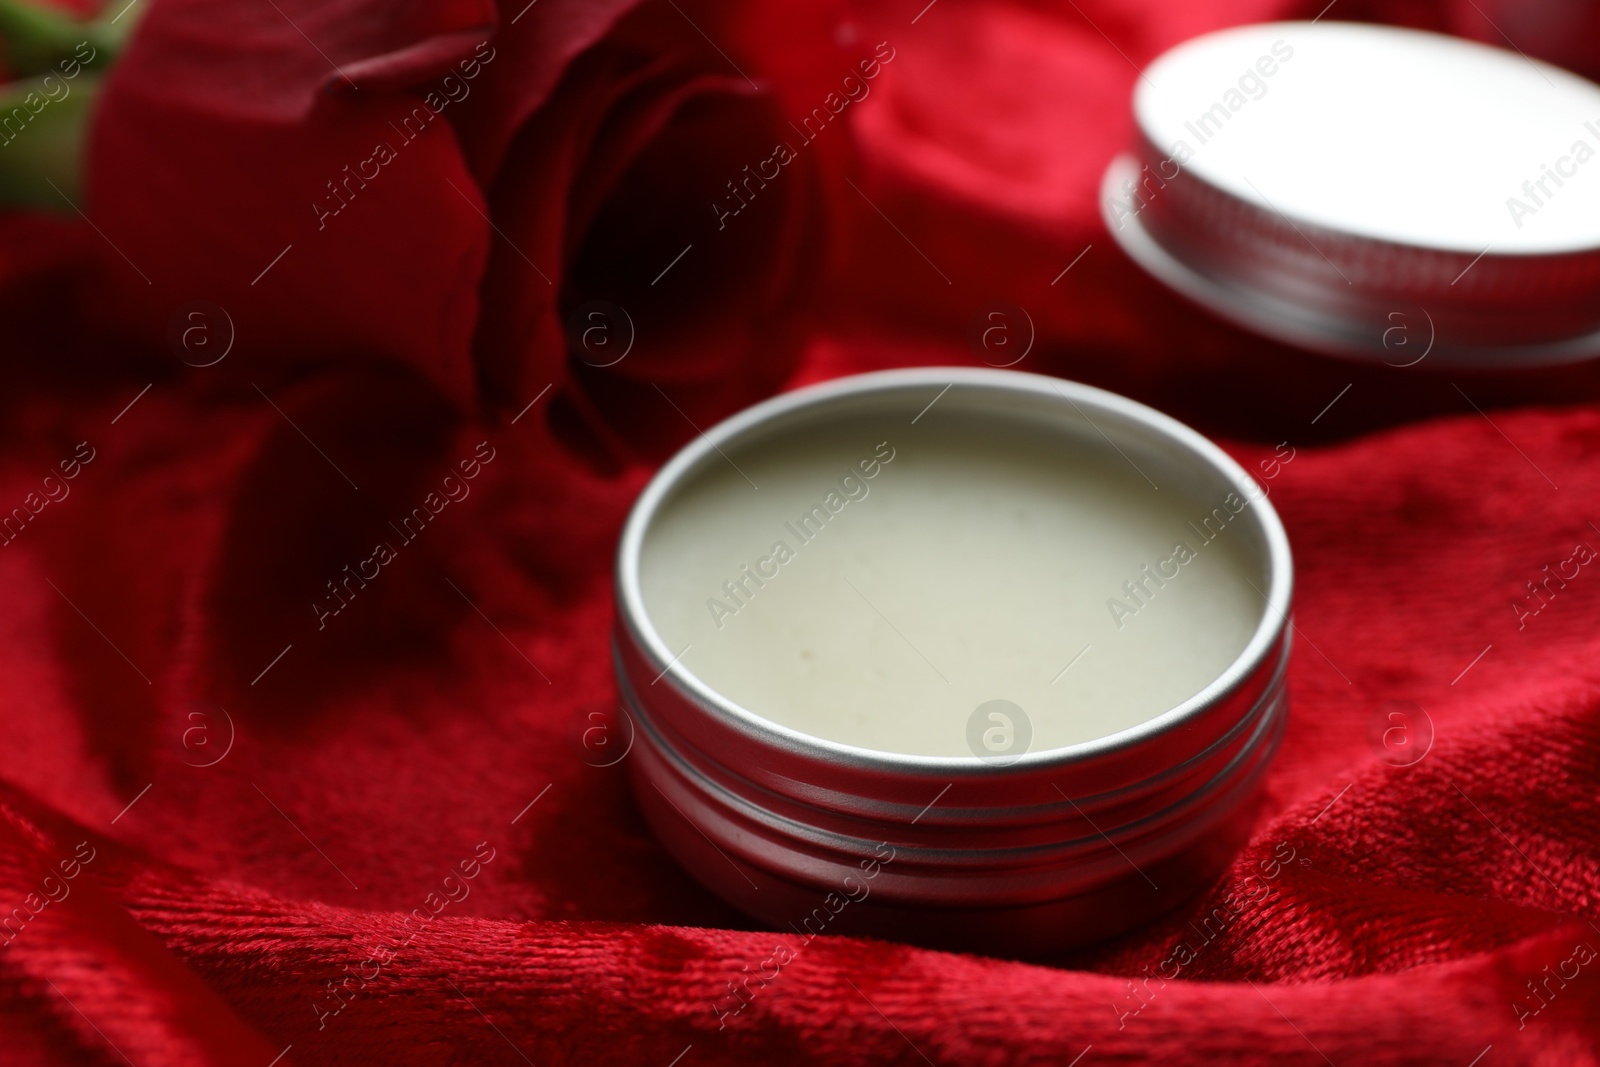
972,566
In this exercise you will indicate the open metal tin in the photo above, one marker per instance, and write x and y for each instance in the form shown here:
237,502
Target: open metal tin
1016,857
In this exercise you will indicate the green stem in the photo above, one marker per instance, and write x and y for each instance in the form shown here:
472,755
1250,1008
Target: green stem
37,40
42,135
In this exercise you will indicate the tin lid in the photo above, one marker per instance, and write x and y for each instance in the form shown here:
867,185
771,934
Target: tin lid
1370,191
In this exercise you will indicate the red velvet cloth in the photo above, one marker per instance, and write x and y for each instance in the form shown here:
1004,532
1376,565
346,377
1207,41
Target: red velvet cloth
245,819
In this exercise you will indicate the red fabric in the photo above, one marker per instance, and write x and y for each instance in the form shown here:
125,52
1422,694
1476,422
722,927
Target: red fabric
249,819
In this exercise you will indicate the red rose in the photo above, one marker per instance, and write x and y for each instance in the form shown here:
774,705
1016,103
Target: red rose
505,199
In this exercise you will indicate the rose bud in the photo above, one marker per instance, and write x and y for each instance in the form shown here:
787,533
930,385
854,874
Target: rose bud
573,215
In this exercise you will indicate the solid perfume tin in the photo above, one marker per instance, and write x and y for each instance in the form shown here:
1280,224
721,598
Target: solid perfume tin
962,657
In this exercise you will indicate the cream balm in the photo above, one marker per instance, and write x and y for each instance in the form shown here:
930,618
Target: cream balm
1027,635
883,581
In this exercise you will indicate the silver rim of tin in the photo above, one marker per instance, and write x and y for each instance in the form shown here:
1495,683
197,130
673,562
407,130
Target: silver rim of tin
635,620
1240,262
